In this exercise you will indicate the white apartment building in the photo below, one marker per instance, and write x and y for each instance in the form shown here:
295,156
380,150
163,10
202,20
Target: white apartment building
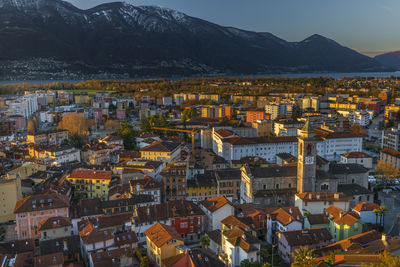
23,105
233,147
356,117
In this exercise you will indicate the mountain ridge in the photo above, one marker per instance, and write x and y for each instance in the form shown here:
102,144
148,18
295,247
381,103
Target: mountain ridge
133,40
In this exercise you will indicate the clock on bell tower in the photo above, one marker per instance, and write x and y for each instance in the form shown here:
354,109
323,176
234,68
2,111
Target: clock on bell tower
306,165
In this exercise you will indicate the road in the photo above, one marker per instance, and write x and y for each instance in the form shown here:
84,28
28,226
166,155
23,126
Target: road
375,125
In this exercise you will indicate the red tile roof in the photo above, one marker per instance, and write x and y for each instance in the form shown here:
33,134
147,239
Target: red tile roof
215,203
90,174
39,202
363,206
357,155
54,222
160,234
323,196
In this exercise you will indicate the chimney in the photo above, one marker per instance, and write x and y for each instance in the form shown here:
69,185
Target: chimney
341,214
290,211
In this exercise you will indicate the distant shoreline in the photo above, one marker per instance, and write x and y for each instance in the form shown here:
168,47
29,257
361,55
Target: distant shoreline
335,75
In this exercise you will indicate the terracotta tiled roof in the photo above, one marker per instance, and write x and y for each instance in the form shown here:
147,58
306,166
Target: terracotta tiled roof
360,239
39,202
54,222
49,260
340,217
164,146
287,215
224,133
322,196
160,234
317,219
232,221
357,155
125,238
91,235
391,152
167,210
215,203
90,174
110,257
363,206
306,237
242,239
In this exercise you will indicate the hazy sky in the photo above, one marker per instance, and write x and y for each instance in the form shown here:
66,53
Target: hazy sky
369,26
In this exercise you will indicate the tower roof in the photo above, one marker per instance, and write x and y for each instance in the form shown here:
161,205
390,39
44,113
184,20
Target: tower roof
307,127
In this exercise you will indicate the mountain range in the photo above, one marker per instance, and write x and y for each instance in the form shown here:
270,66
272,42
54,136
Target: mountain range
391,59
49,38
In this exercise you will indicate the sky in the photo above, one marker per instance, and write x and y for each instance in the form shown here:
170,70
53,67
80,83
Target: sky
369,26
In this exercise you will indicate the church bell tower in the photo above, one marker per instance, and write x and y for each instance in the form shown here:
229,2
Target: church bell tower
307,156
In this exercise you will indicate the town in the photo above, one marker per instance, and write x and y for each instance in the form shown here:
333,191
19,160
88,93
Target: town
233,172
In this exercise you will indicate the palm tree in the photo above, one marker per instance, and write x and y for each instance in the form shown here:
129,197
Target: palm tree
382,211
376,211
303,257
205,241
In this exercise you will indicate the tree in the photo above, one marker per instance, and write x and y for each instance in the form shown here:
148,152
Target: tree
358,129
128,134
386,169
75,124
296,112
112,125
205,241
144,262
376,211
247,263
189,113
76,141
387,260
303,257
31,127
145,124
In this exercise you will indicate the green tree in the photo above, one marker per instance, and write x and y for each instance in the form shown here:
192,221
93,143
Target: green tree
205,241
387,260
145,124
303,257
247,263
144,262
76,141
189,113
296,112
128,134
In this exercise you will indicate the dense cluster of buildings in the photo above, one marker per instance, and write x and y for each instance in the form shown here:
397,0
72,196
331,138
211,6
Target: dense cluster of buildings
244,172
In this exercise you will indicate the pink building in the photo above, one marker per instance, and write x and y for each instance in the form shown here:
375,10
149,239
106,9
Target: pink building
34,209
313,238
121,114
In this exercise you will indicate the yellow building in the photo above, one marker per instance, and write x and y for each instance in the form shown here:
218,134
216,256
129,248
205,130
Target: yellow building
53,137
391,112
91,183
202,186
162,242
345,106
10,193
212,97
161,151
27,169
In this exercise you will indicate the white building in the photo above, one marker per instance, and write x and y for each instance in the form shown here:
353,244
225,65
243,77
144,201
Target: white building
283,219
24,105
356,117
365,211
216,209
330,146
361,158
317,202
